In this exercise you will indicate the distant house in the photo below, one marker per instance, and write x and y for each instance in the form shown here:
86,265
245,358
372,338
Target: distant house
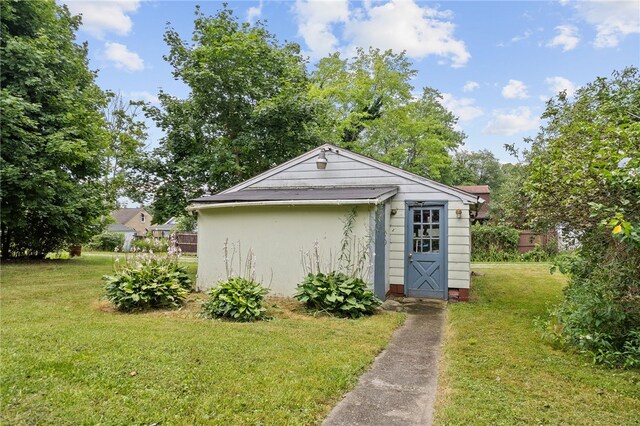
137,219
164,230
479,212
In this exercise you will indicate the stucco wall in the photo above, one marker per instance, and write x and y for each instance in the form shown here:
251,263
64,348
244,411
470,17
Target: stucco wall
277,235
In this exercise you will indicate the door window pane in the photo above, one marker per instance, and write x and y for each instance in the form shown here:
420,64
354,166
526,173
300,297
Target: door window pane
426,230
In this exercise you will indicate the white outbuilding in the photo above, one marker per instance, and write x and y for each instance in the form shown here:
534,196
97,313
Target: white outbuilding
413,233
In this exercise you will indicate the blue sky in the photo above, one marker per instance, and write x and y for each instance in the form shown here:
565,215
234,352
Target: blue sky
496,63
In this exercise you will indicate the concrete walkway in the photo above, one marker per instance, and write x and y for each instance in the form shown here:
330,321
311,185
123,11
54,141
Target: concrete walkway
400,387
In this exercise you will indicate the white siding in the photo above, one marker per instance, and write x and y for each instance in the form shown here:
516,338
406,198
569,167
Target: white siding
342,171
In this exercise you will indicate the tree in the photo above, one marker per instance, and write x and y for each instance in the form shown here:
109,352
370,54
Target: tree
248,110
361,89
53,138
374,112
127,135
584,174
477,168
509,203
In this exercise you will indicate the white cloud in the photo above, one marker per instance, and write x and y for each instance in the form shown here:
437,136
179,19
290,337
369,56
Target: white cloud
557,84
515,89
524,36
396,24
470,86
613,20
122,57
255,12
315,21
143,95
513,122
101,17
567,38
464,108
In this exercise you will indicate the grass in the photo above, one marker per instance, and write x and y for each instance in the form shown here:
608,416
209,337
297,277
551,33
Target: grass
497,370
68,358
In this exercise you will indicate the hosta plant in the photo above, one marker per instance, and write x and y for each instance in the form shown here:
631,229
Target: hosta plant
147,281
237,299
337,294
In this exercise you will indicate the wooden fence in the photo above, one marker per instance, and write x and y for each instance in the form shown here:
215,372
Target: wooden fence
529,240
187,242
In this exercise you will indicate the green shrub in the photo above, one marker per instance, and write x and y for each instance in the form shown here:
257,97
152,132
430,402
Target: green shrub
149,244
497,243
107,241
600,315
494,255
237,299
338,294
147,282
496,237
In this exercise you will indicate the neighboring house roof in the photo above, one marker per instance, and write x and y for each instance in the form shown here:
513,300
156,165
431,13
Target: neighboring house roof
116,227
307,195
123,216
482,191
463,196
474,189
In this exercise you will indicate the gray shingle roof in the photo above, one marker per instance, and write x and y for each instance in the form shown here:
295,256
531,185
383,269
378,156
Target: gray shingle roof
301,194
116,227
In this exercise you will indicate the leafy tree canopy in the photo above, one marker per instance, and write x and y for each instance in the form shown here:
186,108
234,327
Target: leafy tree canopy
477,168
373,110
585,163
126,136
248,110
53,137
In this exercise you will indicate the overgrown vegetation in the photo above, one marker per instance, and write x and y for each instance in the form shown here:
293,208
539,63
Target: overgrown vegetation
590,143
171,367
495,364
146,281
600,315
106,241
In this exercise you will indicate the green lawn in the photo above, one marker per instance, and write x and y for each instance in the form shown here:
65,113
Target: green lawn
67,358
497,371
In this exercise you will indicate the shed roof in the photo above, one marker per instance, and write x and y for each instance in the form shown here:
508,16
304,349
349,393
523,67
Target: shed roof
464,196
310,195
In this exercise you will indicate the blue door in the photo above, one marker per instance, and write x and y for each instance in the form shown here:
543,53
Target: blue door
426,250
